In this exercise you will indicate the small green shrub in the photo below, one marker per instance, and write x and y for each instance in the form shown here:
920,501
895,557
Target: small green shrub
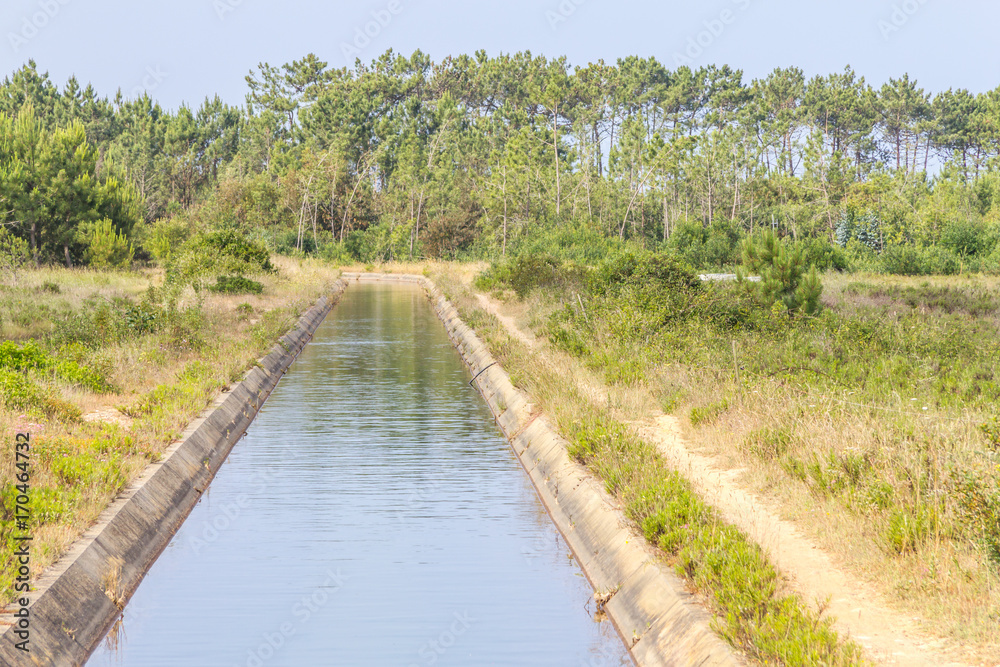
661,272
236,285
525,273
233,244
908,260
909,528
705,414
14,254
108,248
783,277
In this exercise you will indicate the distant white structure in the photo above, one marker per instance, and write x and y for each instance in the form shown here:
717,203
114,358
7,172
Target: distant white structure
718,277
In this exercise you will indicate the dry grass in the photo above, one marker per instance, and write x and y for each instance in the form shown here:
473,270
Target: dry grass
848,464
84,456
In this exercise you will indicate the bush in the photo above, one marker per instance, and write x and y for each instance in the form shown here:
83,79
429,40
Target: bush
525,273
822,254
783,276
233,244
164,236
14,254
707,248
236,285
907,260
205,257
580,243
966,239
657,272
108,248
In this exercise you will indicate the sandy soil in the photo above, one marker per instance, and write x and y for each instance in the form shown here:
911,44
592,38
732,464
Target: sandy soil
889,637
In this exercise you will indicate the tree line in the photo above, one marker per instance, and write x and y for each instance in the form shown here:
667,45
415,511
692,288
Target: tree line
486,156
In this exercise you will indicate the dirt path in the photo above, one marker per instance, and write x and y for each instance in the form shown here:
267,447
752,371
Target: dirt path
888,636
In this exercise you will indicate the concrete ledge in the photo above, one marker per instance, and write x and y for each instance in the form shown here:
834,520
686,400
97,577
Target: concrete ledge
70,610
649,605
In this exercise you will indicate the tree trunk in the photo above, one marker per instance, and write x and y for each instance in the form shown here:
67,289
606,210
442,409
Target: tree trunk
555,147
666,220
69,262
34,245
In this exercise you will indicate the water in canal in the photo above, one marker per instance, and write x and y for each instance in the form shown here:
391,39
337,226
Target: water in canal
373,515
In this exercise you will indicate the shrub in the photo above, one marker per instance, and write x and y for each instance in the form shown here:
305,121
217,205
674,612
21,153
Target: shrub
907,260
14,254
658,272
966,239
164,237
108,248
783,276
908,529
232,244
525,273
713,247
236,285
822,254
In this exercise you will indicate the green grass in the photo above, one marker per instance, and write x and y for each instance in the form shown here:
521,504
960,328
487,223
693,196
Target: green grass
752,609
881,410
80,347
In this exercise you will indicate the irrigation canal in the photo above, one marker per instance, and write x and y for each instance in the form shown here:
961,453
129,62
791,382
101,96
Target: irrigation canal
373,515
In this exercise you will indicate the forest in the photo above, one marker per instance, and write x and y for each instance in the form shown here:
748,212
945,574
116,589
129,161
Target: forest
478,157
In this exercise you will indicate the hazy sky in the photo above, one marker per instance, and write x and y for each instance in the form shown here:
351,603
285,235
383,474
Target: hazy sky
183,50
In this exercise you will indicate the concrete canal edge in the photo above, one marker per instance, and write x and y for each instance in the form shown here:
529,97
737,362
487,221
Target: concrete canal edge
649,605
72,606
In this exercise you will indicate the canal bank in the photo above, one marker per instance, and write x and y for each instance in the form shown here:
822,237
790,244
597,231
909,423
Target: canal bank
374,514
650,607
77,600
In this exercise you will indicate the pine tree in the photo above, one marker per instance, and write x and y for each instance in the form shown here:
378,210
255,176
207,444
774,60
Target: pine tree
783,276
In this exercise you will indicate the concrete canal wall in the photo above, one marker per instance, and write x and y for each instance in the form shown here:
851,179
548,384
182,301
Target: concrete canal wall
72,607
78,599
655,615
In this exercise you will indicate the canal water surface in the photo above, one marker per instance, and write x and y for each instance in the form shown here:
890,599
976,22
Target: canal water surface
373,515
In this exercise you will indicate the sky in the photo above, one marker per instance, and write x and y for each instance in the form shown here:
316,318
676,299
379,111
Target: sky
181,51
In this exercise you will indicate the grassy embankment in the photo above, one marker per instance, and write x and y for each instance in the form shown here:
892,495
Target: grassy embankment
753,611
106,368
873,424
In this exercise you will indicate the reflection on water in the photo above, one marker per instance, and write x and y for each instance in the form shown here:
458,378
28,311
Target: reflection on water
373,515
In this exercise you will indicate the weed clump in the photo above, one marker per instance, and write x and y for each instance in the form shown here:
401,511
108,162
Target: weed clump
236,285
756,615
529,272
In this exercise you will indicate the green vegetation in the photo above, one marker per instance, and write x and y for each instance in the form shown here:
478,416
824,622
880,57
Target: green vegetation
753,610
754,615
105,369
476,157
596,192
878,409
